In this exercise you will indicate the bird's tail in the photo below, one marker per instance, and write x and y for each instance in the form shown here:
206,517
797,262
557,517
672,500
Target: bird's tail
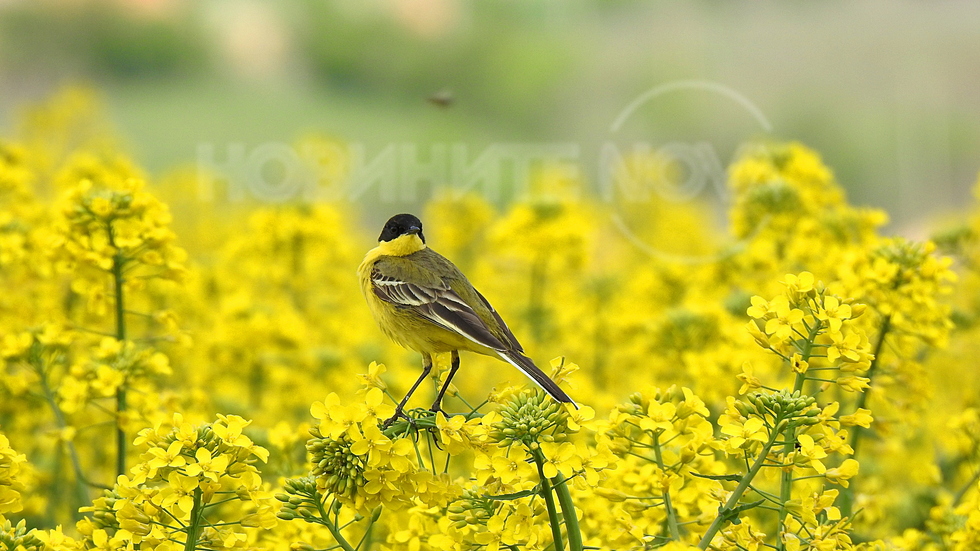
539,377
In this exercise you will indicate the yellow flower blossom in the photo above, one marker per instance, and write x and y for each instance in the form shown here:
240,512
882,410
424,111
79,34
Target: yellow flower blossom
206,465
742,435
842,474
748,378
860,418
852,383
170,457
179,492
808,453
659,417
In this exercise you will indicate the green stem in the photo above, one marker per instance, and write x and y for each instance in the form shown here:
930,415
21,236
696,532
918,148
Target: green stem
117,279
572,529
743,485
536,308
334,530
59,417
862,400
194,529
549,501
847,494
789,436
675,533
786,477
966,488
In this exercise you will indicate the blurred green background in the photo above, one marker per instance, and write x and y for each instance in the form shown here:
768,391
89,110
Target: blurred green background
888,92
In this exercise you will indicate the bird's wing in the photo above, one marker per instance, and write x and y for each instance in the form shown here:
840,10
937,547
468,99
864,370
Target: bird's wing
433,299
507,334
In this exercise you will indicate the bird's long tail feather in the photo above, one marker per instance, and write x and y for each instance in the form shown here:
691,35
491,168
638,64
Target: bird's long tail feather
539,377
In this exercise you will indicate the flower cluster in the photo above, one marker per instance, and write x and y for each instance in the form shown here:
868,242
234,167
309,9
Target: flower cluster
108,222
185,472
761,410
10,484
809,324
113,364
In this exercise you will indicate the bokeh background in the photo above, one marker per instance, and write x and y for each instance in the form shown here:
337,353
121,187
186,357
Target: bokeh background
886,91
243,300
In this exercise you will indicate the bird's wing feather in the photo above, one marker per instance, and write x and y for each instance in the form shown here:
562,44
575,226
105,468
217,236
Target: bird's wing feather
507,334
435,301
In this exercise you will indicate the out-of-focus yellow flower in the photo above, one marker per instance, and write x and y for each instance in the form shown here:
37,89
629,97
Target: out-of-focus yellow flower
10,483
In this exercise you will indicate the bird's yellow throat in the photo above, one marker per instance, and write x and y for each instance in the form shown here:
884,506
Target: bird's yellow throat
402,245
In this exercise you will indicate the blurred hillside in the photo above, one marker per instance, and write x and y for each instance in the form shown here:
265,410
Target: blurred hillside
887,91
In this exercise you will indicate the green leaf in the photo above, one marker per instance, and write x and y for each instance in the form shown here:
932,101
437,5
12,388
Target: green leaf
732,514
728,477
515,495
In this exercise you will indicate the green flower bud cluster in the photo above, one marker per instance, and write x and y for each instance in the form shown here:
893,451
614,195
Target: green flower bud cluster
638,402
776,197
206,438
785,408
105,205
299,501
641,401
908,255
135,361
103,511
471,509
18,537
337,470
682,329
530,417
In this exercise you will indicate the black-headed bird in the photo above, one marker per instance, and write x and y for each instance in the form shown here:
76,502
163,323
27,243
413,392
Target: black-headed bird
423,302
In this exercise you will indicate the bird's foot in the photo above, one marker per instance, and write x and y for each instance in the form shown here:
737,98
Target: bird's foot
398,413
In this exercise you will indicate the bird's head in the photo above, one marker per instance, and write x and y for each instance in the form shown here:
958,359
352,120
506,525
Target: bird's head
402,235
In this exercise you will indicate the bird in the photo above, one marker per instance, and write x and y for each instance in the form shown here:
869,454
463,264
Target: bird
423,302
443,98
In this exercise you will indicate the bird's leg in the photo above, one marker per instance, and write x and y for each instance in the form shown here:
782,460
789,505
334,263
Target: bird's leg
437,405
426,368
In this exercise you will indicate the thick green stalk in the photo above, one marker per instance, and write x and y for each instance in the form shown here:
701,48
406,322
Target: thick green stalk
786,478
572,529
117,279
732,502
549,501
675,532
194,529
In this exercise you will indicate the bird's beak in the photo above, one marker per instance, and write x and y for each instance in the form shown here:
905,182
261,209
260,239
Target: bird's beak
414,230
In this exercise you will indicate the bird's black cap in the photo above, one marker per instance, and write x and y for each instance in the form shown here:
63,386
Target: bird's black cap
399,225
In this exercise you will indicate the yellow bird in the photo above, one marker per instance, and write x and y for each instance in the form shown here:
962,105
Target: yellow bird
423,302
